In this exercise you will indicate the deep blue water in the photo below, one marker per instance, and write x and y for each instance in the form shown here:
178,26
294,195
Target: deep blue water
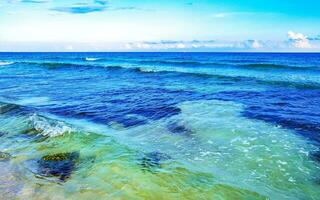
134,88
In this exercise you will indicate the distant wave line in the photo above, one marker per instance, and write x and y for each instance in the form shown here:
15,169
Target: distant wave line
6,63
254,66
92,59
187,71
217,64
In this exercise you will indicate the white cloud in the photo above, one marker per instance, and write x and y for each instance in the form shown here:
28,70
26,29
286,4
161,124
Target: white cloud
232,14
299,40
196,44
242,14
220,15
295,42
181,46
69,48
255,44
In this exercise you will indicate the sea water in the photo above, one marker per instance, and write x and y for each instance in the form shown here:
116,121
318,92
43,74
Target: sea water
159,126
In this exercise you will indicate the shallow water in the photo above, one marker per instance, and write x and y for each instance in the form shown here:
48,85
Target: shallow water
159,126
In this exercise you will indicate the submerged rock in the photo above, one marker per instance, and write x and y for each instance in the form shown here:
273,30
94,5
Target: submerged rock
179,129
153,160
7,107
4,156
2,134
58,165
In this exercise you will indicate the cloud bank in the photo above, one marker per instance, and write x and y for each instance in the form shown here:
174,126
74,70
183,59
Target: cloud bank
299,40
198,45
294,42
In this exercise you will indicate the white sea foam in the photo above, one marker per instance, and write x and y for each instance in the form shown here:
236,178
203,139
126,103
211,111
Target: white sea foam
92,59
6,63
49,127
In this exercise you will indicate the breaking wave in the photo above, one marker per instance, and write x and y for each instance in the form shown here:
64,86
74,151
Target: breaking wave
92,59
6,63
49,127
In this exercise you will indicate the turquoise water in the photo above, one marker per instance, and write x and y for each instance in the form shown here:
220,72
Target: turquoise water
159,126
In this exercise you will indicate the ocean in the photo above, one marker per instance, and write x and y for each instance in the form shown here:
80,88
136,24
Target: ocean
159,126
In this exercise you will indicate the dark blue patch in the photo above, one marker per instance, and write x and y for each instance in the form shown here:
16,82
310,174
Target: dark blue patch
128,106
315,156
295,109
58,165
7,107
2,134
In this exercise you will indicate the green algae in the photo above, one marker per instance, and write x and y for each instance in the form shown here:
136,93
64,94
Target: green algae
4,156
59,165
61,156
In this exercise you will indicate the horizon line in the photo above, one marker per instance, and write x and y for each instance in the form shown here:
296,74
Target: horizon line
314,52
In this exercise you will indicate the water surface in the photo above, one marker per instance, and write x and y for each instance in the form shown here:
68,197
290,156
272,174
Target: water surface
159,126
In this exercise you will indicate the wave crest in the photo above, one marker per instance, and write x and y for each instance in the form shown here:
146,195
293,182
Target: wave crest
92,59
6,63
146,70
49,127
182,63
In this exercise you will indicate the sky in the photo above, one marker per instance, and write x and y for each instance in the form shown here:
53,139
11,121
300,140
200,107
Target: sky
160,25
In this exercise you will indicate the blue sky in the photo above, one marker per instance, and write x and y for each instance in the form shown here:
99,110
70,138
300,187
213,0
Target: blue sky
166,25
